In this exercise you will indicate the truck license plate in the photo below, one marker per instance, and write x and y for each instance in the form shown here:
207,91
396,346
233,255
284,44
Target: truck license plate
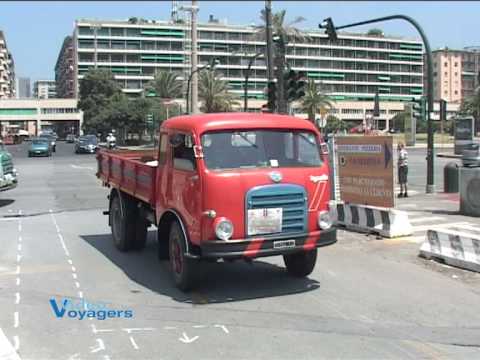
264,221
283,244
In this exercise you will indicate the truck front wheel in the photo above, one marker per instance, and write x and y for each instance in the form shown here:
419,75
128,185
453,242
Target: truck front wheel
183,268
301,264
123,228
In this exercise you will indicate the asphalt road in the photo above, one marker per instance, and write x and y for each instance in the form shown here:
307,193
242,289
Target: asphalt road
367,298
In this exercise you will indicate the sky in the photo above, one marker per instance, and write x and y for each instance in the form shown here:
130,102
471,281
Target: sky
35,30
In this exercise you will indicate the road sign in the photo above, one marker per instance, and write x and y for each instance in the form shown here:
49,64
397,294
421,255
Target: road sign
366,170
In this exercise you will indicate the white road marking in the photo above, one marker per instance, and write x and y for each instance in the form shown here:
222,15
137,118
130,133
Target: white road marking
186,340
16,343
17,298
74,269
18,281
434,227
19,257
19,239
366,319
19,247
105,357
74,275
77,284
82,167
130,330
199,326
15,319
101,346
17,271
70,261
407,205
134,344
169,328
224,328
427,218
80,294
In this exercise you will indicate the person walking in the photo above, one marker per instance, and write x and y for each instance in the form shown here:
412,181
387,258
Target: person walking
402,169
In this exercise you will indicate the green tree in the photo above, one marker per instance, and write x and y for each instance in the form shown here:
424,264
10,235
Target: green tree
471,106
334,125
315,100
375,32
165,85
284,33
214,94
97,89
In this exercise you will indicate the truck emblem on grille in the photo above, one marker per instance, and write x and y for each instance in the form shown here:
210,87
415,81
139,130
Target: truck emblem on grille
316,179
275,176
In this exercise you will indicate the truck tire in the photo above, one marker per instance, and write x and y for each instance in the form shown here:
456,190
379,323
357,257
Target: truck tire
183,269
123,223
301,264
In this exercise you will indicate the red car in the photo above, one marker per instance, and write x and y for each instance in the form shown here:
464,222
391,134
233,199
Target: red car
223,186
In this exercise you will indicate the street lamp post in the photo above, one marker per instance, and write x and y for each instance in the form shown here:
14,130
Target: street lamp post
211,65
430,188
247,75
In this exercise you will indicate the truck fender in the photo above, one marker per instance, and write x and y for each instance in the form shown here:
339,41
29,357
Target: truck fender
182,226
114,192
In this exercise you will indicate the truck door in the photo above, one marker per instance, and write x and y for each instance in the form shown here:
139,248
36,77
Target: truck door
184,184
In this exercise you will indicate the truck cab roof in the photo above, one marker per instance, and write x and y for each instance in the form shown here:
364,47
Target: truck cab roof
236,120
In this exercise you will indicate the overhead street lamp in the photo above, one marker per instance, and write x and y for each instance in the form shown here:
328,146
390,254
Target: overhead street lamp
331,31
247,75
212,64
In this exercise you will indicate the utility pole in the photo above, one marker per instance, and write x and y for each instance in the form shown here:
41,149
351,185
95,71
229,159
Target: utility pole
194,58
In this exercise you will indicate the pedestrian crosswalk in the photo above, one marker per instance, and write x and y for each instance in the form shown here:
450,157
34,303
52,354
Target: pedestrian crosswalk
422,222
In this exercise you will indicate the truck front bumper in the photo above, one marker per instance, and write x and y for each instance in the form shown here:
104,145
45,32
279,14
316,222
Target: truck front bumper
268,245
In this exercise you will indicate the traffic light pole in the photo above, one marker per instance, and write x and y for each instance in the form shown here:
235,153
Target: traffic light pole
247,75
430,188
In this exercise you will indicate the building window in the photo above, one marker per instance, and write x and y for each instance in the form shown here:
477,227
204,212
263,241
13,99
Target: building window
445,64
456,64
456,92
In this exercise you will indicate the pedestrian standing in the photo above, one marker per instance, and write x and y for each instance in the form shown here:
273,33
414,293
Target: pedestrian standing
402,169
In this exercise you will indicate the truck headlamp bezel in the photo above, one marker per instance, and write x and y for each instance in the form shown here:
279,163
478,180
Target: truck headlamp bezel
223,228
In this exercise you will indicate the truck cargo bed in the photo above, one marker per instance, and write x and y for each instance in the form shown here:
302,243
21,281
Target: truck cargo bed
132,171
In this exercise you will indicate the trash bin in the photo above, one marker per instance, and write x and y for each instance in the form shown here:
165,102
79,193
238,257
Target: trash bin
450,178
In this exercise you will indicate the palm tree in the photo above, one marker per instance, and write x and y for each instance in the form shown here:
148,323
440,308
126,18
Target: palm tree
315,100
165,85
283,33
214,93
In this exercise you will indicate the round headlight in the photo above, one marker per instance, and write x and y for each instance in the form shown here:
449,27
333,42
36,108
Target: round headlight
324,220
223,228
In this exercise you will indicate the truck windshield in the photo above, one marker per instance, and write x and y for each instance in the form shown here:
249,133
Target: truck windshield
260,148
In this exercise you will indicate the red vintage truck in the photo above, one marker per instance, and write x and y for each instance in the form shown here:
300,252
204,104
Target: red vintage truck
223,186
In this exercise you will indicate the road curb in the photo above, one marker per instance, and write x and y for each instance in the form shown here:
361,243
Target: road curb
451,156
390,223
456,248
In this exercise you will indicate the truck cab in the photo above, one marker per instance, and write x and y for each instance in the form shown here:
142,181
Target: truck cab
229,186
8,173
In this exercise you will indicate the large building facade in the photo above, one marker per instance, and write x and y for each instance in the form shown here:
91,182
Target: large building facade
44,89
7,70
23,88
350,70
65,70
456,73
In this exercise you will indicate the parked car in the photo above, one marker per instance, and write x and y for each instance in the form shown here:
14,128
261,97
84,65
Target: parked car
8,173
40,146
51,138
87,144
471,158
70,138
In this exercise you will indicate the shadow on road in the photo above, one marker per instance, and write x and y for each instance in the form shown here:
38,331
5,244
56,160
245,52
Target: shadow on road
6,202
217,282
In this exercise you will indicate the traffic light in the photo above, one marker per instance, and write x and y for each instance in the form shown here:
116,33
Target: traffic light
443,110
294,85
419,107
150,119
330,30
271,96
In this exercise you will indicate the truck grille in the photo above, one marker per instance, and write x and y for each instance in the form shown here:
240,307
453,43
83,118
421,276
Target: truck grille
7,166
291,198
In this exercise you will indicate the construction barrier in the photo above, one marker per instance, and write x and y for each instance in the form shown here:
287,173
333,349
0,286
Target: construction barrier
363,218
455,246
